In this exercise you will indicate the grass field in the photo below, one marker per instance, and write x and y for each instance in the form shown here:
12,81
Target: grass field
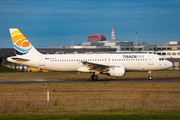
91,100
4,69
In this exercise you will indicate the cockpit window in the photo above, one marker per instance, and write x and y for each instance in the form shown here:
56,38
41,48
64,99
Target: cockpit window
161,59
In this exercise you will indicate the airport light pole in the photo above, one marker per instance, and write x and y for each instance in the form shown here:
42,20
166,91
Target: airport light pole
136,39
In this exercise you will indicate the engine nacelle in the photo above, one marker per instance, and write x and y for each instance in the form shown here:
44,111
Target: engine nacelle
117,72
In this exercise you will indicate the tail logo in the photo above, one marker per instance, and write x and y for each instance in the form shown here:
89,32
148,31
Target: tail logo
21,44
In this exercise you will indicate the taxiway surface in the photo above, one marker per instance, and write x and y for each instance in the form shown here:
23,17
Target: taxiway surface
78,81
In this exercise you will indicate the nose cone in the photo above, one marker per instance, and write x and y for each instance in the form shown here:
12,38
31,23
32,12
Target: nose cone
169,64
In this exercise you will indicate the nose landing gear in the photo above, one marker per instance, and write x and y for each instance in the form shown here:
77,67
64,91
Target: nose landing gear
150,77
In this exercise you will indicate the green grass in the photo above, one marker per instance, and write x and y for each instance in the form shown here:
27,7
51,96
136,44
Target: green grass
4,69
91,117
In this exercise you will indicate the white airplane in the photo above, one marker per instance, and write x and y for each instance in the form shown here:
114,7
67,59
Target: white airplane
109,64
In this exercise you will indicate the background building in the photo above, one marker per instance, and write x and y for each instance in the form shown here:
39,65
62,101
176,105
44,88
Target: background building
96,38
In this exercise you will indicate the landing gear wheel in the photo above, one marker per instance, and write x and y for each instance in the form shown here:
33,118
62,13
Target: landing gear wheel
150,77
94,77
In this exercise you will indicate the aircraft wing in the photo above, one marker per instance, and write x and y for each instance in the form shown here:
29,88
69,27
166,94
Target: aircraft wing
96,66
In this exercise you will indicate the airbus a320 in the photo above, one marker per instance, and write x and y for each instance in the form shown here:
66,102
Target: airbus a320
109,64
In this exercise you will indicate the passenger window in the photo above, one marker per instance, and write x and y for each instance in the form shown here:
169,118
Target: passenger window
159,59
162,58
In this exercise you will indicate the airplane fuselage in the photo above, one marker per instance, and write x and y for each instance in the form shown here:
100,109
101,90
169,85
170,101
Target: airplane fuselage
72,62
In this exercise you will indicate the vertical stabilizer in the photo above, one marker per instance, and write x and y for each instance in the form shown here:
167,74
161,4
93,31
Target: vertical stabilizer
21,45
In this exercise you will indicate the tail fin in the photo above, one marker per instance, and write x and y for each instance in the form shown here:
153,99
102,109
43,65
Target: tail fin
21,44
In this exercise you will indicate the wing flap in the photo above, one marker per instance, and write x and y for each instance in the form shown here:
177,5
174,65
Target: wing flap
95,66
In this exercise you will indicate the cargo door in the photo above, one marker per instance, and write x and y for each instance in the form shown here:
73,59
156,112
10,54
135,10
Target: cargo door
42,61
150,60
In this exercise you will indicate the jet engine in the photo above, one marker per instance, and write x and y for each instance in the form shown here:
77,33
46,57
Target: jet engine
117,72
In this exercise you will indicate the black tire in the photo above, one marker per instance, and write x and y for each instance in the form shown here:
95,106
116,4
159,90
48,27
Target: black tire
150,78
94,77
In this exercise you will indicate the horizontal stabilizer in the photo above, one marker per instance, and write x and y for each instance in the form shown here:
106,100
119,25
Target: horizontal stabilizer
20,59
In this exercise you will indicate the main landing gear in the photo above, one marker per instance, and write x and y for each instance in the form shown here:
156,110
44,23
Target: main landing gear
94,77
150,77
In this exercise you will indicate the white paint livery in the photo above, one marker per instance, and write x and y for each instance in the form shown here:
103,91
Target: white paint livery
109,64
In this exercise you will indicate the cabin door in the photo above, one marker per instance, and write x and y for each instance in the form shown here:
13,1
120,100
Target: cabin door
42,61
150,60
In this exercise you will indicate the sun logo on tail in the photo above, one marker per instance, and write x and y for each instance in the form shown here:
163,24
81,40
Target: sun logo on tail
21,44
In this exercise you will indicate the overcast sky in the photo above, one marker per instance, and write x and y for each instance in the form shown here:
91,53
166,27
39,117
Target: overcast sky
57,21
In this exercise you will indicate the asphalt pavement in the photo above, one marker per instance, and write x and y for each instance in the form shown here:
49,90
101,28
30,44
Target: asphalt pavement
81,81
